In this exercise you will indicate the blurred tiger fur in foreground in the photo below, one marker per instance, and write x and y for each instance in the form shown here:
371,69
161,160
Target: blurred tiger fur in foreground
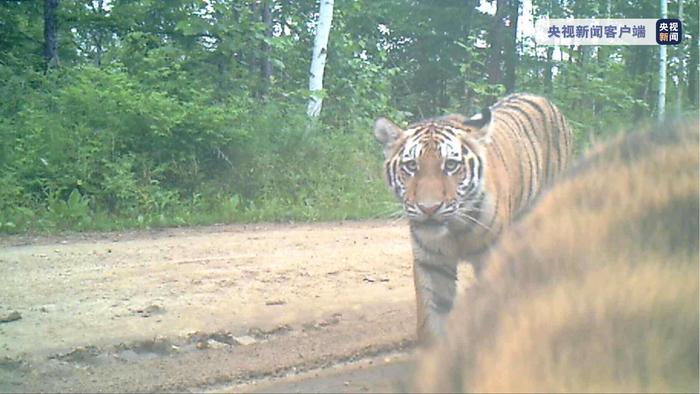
462,181
596,289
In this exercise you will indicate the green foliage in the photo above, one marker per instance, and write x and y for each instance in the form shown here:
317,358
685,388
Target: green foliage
91,146
159,114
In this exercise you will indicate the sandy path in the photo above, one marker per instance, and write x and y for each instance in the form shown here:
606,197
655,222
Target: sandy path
202,308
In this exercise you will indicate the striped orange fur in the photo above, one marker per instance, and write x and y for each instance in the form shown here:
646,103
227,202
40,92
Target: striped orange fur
595,289
462,180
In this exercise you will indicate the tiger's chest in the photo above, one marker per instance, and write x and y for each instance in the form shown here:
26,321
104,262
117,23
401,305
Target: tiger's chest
462,239
435,239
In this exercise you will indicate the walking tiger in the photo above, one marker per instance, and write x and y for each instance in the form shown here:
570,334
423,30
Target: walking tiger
462,181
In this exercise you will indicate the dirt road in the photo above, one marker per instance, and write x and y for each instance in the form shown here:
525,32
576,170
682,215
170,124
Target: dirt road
223,308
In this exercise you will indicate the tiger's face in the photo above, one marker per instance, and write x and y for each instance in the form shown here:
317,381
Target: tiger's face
436,168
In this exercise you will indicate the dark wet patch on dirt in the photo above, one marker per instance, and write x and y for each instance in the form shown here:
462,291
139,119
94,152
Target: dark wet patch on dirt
10,317
12,364
331,321
153,348
162,347
262,334
150,310
79,355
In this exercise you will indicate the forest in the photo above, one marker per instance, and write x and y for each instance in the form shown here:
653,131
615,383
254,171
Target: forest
146,113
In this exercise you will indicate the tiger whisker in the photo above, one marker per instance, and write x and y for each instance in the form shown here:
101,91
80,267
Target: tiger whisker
398,219
473,219
397,214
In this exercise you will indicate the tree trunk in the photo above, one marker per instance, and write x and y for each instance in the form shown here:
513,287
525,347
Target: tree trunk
693,70
266,65
253,65
602,58
318,61
640,64
680,52
511,55
97,35
495,74
548,70
661,102
50,34
467,21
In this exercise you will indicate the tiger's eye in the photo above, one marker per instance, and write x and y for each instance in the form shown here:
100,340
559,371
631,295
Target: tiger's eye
410,165
451,165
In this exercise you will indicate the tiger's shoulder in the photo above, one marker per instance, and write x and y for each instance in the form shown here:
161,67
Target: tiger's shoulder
596,289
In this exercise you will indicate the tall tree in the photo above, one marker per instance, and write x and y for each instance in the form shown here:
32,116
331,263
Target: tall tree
661,102
503,36
549,64
693,69
511,49
98,34
680,50
266,64
496,38
318,61
50,33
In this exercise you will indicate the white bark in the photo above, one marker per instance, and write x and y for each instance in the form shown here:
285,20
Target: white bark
662,71
318,61
681,67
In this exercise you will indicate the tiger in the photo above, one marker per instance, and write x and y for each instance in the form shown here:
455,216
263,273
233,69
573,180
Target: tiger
461,181
595,289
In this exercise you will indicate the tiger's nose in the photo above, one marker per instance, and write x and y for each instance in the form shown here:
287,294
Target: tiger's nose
429,209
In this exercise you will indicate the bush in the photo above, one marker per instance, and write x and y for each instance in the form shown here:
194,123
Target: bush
91,149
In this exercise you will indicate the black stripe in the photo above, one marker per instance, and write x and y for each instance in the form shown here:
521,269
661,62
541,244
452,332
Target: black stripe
438,269
551,132
555,130
475,212
534,171
389,178
442,304
437,137
395,173
495,145
511,128
471,187
475,175
564,129
441,133
496,148
535,143
478,203
422,245
494,215
534,127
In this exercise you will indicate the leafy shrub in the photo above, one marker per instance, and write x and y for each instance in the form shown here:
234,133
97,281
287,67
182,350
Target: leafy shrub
91,148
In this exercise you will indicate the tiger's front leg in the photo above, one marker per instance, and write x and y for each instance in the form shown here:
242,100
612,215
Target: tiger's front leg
435,279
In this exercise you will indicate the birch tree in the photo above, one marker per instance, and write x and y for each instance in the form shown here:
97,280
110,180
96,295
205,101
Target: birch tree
661,106
318,61
681,68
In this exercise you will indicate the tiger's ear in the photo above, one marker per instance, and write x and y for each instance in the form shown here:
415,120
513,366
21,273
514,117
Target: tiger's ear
481,125
386,133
